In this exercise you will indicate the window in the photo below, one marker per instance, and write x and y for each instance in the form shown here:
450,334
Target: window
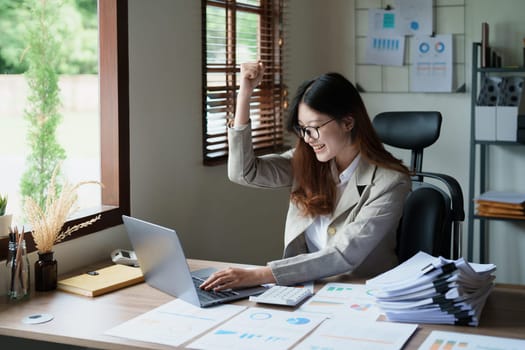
114,123
238,31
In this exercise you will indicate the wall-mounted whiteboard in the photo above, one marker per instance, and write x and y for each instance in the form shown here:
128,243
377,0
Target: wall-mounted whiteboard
448,18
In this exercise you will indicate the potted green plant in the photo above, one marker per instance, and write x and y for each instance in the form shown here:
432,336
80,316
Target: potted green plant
5,220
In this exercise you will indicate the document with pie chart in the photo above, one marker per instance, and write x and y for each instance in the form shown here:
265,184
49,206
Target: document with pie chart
259,328
351,300
431,64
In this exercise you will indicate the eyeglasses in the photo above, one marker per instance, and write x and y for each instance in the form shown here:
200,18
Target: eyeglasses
311,131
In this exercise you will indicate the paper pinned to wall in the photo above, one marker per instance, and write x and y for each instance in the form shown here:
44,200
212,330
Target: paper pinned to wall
414,17
383,22
387,29
431,69
408,17
385,50
384,45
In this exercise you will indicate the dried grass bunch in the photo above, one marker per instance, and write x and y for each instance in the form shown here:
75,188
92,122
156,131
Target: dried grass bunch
47,223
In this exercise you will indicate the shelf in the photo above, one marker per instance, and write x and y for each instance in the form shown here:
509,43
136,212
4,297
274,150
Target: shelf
480,158
501,70
501,143
482,217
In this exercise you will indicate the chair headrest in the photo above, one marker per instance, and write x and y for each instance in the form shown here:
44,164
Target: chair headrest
413,130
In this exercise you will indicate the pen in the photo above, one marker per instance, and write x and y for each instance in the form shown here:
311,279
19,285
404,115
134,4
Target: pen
21,268
12,243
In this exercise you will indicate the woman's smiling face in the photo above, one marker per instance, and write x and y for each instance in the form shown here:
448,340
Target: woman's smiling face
334,137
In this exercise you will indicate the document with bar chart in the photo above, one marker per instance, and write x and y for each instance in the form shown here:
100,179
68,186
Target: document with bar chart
438,340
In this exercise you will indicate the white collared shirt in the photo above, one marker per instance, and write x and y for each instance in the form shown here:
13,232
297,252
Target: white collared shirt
315,234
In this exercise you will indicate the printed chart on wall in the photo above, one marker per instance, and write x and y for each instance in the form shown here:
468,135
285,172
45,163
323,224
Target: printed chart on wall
431,69
384,44
387,29
410,46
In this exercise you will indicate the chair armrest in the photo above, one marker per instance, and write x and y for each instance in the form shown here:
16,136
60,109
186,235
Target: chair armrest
456,194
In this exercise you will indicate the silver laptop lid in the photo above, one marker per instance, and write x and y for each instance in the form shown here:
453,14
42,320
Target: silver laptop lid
161,259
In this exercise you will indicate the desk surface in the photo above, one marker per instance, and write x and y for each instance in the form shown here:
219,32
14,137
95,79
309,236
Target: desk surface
82,321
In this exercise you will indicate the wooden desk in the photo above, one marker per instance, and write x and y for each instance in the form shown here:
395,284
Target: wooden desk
82,321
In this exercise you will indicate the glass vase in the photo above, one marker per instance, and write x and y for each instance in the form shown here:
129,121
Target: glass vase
17,264
45,272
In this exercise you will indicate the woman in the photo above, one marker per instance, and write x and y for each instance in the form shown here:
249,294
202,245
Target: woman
347,191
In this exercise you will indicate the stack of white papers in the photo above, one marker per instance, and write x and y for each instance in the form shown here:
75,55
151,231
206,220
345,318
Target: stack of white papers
427,289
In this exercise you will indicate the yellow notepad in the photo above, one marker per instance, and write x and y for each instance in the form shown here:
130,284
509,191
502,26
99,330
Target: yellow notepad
102,281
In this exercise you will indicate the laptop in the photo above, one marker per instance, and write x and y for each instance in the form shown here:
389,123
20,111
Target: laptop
164,266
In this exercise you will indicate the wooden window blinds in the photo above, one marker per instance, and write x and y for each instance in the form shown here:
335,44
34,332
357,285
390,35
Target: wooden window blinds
237,31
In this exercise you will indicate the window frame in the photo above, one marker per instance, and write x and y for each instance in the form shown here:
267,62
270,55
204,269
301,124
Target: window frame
271,93
114,126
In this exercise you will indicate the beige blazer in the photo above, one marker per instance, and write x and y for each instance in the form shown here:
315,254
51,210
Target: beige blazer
362,230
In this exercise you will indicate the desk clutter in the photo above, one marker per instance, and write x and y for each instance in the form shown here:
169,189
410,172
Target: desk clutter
339,316
508,205
426,289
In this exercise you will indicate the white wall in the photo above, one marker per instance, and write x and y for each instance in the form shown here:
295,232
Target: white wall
169,185
219,220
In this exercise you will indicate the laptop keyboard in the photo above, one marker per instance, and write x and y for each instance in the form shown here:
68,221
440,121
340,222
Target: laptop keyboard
207,295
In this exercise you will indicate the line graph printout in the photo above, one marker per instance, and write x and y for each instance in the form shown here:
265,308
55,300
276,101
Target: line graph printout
348,333
259,328
351,300
174,323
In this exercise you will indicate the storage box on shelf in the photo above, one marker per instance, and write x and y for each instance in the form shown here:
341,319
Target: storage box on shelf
497,108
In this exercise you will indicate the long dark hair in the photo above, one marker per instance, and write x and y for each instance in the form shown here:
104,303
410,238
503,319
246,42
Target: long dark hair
332,94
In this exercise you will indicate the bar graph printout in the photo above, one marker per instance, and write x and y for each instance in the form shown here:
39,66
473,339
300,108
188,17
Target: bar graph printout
351,300
385,50
384,44
438,340
259,328
174,323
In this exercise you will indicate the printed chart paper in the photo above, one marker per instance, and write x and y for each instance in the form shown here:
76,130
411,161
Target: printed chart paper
408,17
385,50
382,22
438,340
384,46
174,323
343,333
351,300
259,328
414,17
431,69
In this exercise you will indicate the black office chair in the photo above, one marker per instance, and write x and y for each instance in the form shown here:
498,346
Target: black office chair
432,216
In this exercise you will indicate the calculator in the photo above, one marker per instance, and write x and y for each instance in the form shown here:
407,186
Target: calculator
282,295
